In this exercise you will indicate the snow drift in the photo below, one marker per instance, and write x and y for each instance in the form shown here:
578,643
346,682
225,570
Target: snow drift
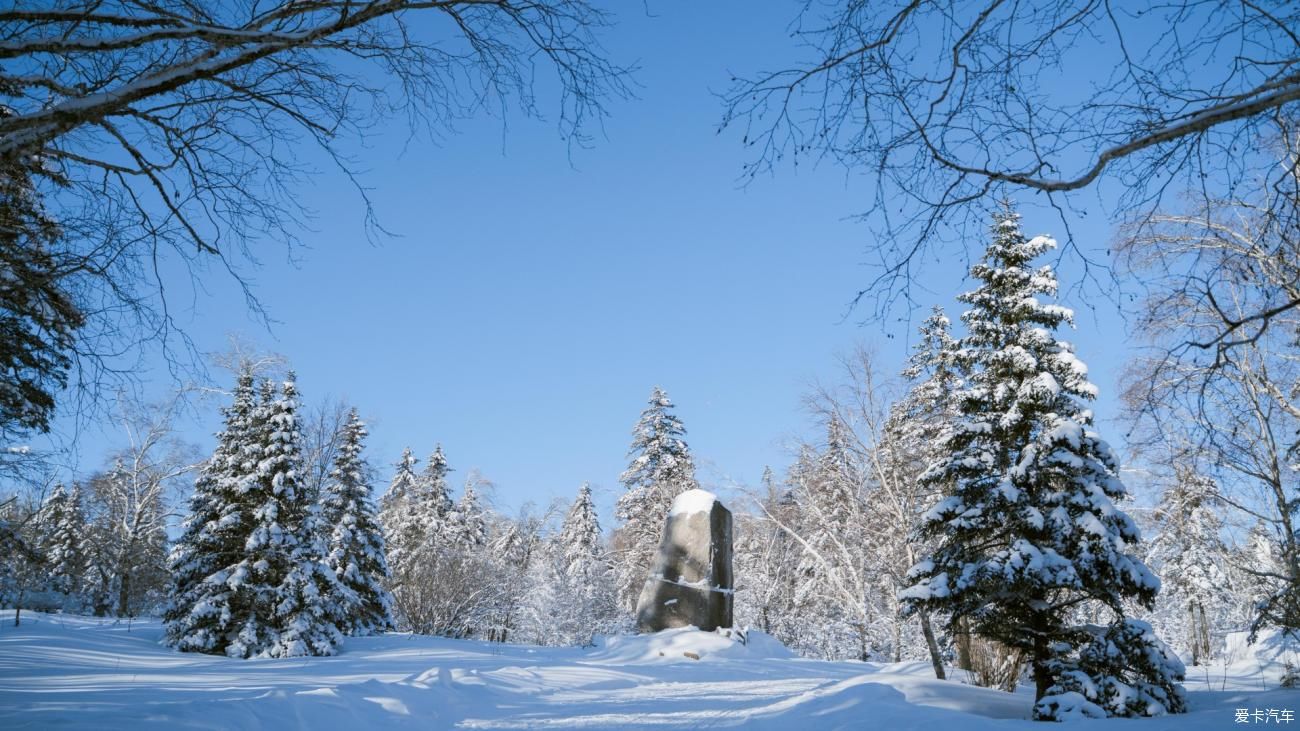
67,672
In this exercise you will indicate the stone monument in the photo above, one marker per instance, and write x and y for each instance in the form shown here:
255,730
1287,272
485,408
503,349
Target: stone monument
691,581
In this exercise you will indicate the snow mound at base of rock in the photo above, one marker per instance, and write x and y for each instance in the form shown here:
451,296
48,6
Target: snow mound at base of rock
673,646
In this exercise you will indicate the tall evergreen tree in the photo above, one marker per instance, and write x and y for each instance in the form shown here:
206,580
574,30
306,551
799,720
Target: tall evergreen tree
403,533
251,577
356,546
1028,528
572,597
586,569
62,527
469,527
307,602
262,557
581,550
434,586
429,516
434,492
660,470
403,482
919,419
199,617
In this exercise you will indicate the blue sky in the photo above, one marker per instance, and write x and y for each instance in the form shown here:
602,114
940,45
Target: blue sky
535,294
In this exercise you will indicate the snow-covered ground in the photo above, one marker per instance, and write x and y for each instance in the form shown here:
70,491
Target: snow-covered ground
60,671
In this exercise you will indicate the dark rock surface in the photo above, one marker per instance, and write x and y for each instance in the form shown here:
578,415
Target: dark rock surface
691,581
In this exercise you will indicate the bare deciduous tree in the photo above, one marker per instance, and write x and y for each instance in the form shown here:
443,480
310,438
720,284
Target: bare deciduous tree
766,562
1227,398
322,433
853,504
131,504
944,104
165,137
1228,267
21,561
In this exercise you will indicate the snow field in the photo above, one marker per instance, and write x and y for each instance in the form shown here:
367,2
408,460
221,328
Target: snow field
68,672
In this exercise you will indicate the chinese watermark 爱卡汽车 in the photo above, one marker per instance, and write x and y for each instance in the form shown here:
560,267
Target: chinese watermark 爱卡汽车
1265,715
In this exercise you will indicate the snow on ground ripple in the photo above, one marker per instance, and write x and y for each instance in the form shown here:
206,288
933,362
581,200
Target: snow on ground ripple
60,672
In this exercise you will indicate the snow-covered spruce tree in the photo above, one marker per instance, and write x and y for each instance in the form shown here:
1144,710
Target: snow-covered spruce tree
199,617
308,600
433,496
408,522
437,587
917,422
356,545
581,552
568,595
1028,528
468,528
1197,594
63,532
1124,670
425,525
416,514
256,576
587,603
403,533
661,469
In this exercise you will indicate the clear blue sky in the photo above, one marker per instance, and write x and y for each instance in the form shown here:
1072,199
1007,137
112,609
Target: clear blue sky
537,294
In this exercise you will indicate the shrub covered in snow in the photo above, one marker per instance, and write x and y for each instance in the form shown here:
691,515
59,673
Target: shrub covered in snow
1125,671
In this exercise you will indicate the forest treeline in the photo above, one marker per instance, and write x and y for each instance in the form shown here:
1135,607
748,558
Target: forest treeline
968,512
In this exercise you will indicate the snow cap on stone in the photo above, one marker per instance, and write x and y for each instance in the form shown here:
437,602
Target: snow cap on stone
693,501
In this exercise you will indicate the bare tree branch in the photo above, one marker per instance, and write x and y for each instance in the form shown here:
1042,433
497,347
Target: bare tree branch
165,136
945,105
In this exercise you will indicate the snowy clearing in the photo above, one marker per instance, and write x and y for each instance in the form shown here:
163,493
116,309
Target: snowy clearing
60,671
